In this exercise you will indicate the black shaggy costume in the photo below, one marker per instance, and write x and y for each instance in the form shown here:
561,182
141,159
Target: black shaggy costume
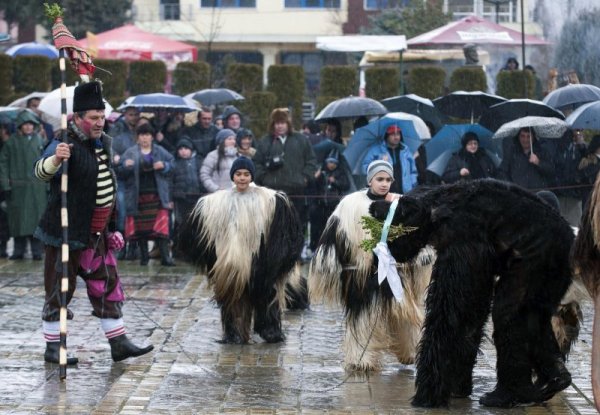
494,241
249,243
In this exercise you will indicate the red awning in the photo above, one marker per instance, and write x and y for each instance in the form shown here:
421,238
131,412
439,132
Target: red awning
473,29
132,43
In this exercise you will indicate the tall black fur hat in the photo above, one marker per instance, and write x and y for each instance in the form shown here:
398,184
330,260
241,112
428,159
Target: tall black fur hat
88,96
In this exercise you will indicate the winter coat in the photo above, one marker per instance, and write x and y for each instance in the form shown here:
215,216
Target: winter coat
26,196
380,151
568,175
332,192
203,139
185,179
214,178
479,164
298,168
131,177
516,167
123,141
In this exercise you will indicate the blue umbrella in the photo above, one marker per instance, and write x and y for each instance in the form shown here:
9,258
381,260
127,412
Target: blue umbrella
413,129
586,117
157,101
448,138
33,48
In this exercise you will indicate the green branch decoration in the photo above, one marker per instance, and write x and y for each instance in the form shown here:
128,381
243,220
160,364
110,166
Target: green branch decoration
374,227
53,11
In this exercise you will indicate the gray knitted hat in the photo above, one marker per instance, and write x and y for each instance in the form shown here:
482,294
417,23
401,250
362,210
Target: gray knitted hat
379,165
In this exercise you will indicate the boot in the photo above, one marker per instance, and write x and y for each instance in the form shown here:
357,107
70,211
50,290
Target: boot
144,257
132,254
52,354
121,348
165,256
3,253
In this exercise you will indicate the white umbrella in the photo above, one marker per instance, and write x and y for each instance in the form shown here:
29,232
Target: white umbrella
50,106
22,102
546,127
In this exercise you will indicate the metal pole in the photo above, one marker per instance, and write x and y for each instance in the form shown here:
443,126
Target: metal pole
64,282
522,34
401,63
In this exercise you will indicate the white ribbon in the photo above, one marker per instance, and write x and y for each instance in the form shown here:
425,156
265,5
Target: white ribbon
387,269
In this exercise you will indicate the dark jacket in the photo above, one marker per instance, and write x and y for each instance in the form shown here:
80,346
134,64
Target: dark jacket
332,192
185,179
203,139
516,167
479,164
298,168
81,195
568,175
131,177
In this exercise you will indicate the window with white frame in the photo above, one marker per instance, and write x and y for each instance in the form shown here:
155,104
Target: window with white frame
313,4
506,10
228,3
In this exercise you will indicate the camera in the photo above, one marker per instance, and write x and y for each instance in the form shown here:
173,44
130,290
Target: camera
275,162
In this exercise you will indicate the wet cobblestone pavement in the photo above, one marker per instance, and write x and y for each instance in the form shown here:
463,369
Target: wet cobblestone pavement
190,372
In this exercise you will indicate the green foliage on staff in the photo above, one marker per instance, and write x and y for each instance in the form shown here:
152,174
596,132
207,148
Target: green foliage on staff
286,82
53,11
374,228
427,81
468,78
244,78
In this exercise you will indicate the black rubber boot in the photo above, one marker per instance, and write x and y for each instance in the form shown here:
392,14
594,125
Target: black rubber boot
144,256
121,348
132,251
52,354
165,256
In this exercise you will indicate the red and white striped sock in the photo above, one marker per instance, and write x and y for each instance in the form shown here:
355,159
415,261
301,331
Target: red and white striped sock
112,327
51,330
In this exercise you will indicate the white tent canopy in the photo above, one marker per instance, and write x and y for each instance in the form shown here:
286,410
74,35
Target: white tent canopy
361,43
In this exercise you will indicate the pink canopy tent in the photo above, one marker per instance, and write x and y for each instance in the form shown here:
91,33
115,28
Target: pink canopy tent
473,29
132,43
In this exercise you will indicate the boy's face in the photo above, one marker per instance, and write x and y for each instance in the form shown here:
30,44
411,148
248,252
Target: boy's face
184,152
331,166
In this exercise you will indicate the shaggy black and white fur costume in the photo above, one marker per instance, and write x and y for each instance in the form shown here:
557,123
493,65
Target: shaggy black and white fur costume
249,243
494,241
342,272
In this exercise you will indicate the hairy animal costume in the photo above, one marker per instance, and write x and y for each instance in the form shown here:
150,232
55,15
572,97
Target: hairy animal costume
586,259
249,244
342,272
493,240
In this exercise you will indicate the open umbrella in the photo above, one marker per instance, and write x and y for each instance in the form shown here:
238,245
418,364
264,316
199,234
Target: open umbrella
497,115
22,102
351,107
51,109
466,105
33,48
572,95
9,114
416,105
544,127
157,101
215,96
586,117
449,138
438,165
413,129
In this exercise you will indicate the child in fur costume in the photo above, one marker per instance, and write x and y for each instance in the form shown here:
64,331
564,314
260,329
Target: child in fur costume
248,239
342,271
499,248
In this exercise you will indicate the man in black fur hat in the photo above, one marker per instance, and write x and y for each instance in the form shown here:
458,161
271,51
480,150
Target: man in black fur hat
91,198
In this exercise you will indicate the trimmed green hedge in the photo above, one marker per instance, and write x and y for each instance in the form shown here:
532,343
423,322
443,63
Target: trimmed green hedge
514,84
256,109
114,84
382,82
190,77
427,81
244,78
71,76
338,81
468,79
31,73
146,77
6,79
323,101
286,82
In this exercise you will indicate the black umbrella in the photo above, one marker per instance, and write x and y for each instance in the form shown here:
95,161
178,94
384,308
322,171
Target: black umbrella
351,107
215,96
466,105
419,106
510,110
572,95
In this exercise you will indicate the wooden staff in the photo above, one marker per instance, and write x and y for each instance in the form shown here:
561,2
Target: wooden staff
64,221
